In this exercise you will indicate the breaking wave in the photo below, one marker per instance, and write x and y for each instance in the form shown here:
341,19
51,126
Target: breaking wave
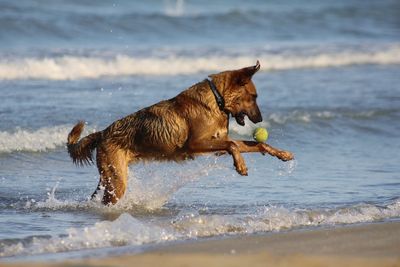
39,140
273,218
127,230
70,67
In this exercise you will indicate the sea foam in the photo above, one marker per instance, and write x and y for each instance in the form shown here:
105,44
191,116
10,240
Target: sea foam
70,67
39,140
127,230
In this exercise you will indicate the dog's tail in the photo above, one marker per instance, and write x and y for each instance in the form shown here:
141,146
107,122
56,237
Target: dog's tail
81,151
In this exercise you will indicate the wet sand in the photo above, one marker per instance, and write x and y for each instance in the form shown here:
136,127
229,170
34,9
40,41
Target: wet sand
376,244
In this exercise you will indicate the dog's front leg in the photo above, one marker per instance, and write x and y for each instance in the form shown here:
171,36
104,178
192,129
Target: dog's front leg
280,154
251,146
221,145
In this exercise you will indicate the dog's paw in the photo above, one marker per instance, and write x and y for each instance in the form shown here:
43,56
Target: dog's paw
285,155
241,169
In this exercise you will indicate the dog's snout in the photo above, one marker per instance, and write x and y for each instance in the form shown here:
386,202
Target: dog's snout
257,119
255,115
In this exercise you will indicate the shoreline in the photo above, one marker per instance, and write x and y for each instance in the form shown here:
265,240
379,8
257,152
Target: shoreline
372,244
319,241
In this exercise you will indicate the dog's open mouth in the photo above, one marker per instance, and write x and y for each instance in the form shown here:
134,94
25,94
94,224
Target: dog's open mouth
240,118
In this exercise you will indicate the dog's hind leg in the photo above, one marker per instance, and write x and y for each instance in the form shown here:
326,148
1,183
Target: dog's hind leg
113,168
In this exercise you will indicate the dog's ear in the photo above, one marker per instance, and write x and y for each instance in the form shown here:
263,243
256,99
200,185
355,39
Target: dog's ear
243,76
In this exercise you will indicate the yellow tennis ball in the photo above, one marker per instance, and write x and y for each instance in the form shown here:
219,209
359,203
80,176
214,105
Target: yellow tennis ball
260,135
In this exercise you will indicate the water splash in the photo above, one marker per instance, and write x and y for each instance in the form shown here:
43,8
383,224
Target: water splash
151,185
287,168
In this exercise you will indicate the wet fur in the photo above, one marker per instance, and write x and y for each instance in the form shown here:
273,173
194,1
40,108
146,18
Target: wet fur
176,129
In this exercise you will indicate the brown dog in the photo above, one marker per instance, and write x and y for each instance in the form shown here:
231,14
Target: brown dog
195,121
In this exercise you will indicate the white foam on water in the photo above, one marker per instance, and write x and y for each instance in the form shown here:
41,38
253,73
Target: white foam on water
188,224
35,141
40,140
71,67
127,230
272,218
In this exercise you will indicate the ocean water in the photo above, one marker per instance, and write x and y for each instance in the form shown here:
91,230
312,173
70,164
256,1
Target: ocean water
328,91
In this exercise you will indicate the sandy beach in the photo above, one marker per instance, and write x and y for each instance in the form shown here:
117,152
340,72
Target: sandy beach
376,244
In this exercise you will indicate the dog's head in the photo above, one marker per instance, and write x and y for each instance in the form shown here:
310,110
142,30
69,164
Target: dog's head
239,93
